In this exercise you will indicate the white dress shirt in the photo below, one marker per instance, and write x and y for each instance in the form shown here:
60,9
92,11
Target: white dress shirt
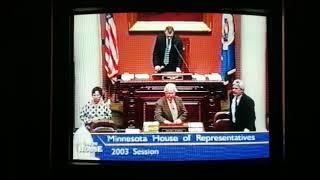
235,102
173,109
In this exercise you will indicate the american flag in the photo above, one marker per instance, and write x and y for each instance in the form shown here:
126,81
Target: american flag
110,48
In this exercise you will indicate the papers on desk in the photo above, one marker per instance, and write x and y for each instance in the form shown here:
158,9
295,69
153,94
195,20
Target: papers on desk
214,77
211,77
132,131
151,126
195,127
198,77
195,124
142,76
127,76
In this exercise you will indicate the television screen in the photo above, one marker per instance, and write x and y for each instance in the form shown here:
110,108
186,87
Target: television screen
134,85
217,66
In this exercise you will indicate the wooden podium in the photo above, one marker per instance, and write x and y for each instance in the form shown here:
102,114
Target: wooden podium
183,127
201,98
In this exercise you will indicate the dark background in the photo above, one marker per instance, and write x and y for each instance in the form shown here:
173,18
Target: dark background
27,72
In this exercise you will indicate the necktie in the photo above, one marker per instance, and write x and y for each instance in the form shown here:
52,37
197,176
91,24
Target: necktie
166,54
236,101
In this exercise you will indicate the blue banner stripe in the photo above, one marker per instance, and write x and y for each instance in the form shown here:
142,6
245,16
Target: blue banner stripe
179,153
180,146
181,138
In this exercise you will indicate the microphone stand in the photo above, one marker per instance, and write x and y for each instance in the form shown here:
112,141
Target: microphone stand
181,57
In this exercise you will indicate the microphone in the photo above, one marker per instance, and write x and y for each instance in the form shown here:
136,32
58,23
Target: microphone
181,57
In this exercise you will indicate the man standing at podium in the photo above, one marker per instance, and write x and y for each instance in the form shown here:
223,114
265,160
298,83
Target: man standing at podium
170,108
167,52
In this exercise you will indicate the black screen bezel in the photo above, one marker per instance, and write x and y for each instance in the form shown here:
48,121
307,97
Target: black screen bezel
62,88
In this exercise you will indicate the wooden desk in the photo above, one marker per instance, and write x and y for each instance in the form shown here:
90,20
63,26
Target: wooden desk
201,98
183,127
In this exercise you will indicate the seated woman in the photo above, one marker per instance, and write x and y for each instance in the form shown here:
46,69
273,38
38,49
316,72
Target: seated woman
96,109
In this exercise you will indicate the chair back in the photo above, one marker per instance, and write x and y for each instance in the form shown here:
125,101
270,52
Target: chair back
222,122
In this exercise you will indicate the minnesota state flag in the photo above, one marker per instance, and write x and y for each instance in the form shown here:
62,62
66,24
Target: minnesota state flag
228,65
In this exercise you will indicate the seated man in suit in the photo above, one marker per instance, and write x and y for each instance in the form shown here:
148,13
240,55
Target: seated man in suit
167,52
170,108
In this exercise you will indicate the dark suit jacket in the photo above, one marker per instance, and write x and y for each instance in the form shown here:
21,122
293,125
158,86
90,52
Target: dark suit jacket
174,58
245,114
162,111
